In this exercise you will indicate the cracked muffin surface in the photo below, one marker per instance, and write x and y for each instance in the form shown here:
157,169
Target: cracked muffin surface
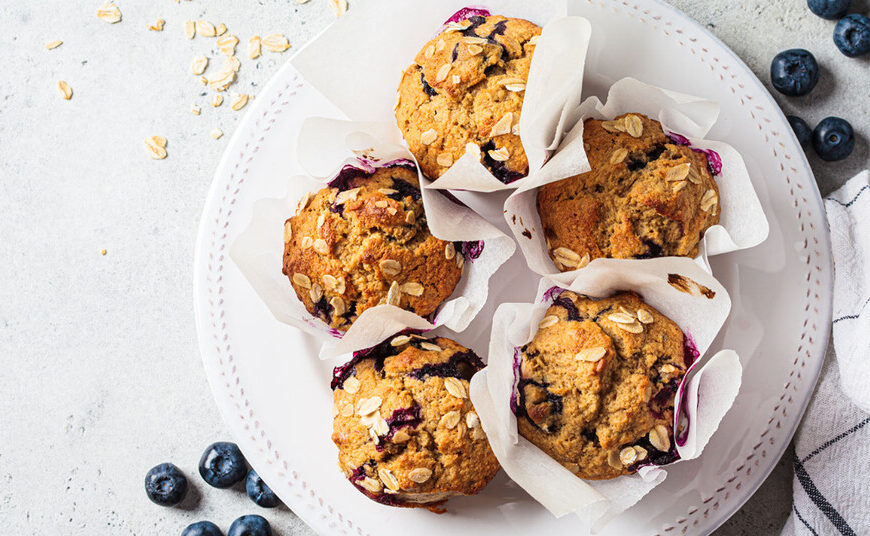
596,385
645,196
406,431
364,241
466,86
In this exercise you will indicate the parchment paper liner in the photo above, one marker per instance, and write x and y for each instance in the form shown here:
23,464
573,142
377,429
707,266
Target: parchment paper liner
742,222
258,251
357,61
556,488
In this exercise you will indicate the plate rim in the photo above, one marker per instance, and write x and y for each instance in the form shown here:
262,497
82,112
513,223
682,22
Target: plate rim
236,153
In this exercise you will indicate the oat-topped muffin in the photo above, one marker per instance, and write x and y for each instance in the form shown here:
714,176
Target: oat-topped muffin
467,86
406,432
596,385
363,241
646,196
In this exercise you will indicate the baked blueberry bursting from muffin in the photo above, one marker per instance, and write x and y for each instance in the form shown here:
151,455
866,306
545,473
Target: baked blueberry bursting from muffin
404,425
648,194
364,241
596,385
467,86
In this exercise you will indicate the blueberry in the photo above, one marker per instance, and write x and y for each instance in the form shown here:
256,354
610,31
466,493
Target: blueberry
833,139
259,492
165,484
794,72
222,464
852,35
801,129
829,9
202,528
252,525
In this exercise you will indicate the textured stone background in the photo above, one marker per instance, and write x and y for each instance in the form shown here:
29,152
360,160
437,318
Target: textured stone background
101,376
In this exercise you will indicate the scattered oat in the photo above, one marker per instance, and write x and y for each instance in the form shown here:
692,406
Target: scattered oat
633,125
64,90
442,73
157,26
455,387
347,195
410,217
156,146
227,44
444,159
400,340
549,320
338,307
370,484
198,65
516,88
220,30
307,242
51,45
239,101
658,437
275,43
351,385
301,1
613,459
103,252
621,318
420,474
217,100
339,7
110,13
679,186
205,28
394,295
221,80
401,437
472,420
634,327
254,47
315,293
189,29
628,456
567,257
288,231
613,126
474,50
591,354
678,173
449,251
321,247
389,479
367,406
709,200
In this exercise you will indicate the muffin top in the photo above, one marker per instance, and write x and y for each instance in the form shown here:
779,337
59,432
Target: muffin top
406,432
646,196
466,86
363,241
596,385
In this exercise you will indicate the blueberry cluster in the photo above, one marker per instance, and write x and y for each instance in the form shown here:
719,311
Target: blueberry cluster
222,465
795,73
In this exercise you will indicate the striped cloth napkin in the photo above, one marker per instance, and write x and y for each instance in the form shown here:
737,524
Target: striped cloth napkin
832,446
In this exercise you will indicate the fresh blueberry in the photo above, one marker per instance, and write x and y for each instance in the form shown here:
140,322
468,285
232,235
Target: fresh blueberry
829,9
259,492
852,35
165,484
202,528
222,464
252,525
801,129
794,72
833,139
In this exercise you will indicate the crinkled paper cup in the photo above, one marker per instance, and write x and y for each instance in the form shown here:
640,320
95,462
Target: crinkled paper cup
686,119
679,289
258,251
357,63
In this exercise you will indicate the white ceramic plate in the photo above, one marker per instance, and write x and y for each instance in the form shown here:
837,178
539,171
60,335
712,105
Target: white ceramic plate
274,394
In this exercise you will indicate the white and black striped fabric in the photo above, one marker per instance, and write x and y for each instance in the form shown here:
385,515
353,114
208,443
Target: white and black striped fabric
832,447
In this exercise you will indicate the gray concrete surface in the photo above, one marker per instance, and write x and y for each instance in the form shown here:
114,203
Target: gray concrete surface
101,377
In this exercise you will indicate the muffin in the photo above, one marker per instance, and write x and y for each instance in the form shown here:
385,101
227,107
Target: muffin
596,385
646,196
406,432
466,86
363,241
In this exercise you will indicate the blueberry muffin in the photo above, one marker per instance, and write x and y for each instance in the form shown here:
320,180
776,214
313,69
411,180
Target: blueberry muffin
646,196
466,86
406,432
596,385
363,241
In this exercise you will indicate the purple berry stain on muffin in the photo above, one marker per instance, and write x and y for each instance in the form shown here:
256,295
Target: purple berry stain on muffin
468,12
460,365
714,161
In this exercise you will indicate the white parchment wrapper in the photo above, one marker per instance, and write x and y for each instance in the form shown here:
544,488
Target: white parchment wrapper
258,251
357,63
742,223
514,324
